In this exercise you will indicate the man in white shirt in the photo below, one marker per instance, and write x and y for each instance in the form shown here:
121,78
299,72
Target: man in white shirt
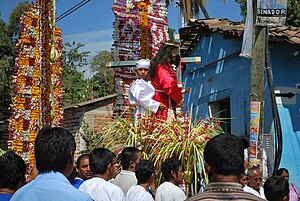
98,187
130,157
145,176
255,179
173,175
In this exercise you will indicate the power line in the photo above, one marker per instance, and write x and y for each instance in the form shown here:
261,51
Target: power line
71,10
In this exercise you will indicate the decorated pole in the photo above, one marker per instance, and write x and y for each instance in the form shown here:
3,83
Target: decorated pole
37,89
46,67
140,27
143,8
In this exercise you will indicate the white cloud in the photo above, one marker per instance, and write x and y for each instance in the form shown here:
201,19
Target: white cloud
94,41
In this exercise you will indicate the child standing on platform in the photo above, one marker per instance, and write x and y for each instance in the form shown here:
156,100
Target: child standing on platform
141,91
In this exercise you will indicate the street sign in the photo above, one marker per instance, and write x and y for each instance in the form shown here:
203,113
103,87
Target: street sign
285,95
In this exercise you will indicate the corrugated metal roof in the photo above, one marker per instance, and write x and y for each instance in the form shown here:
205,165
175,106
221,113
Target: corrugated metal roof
191,34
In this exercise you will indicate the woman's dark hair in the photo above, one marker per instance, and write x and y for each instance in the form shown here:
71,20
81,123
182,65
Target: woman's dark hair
280,171
163,56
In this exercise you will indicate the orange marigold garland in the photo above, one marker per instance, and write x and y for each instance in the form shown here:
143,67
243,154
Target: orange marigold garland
143,7
28,103
57,91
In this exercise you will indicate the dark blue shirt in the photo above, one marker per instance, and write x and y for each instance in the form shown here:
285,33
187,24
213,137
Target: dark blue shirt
77,182
5,197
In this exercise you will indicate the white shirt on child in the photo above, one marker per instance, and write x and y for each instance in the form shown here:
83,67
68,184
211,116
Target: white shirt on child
141,93
167,191
138,193
102,190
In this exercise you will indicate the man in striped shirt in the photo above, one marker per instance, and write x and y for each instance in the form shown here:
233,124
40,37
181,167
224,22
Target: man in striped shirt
224,162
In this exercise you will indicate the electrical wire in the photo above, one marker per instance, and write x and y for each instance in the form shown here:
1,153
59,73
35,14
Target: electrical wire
71,10
275,114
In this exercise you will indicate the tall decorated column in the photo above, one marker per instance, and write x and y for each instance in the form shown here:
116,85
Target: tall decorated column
139,28
37,87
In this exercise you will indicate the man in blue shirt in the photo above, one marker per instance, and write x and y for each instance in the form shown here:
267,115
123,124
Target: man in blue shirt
83,171
54,154
12,174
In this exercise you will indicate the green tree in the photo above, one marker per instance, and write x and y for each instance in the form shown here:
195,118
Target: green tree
6,63
73,78
14,19
8,36
102,81
293,13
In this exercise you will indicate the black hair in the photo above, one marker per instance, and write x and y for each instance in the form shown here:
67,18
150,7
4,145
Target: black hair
163,56
82,157
280,171
245,143
276,188
12,170
170,165
225,153
72,176
144,170
127,155
54,147
100,158
241,175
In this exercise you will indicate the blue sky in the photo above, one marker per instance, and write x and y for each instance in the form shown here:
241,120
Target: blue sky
92,24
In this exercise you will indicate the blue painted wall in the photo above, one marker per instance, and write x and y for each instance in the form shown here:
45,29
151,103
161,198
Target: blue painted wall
226,79
286,73
231,78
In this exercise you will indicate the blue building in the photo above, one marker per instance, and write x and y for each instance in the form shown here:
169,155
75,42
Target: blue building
220,84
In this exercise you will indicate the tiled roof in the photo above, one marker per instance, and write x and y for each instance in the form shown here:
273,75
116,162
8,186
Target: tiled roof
202,27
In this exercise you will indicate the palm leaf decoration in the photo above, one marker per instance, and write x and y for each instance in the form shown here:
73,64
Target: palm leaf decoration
160,140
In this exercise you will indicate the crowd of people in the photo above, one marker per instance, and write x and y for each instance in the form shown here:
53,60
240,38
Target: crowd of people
98,176
101,175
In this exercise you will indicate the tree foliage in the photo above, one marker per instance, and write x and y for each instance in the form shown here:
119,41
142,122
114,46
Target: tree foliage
293,13
8,35
14,19
73,79
103,78
76,87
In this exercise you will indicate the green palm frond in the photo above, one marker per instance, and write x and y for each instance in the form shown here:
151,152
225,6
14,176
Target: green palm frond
160,140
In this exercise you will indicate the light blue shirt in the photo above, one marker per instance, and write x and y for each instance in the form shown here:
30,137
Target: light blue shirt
49,187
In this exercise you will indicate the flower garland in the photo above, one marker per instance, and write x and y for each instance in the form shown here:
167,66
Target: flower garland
26,79
144,29
57,90
139,29
28,98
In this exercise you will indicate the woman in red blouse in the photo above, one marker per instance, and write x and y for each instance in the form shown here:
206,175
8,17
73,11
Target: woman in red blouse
163,77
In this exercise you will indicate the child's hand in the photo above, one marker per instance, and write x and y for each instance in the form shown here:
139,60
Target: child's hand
185,91
161,106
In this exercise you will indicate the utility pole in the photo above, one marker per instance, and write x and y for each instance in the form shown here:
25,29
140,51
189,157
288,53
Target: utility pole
257,89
